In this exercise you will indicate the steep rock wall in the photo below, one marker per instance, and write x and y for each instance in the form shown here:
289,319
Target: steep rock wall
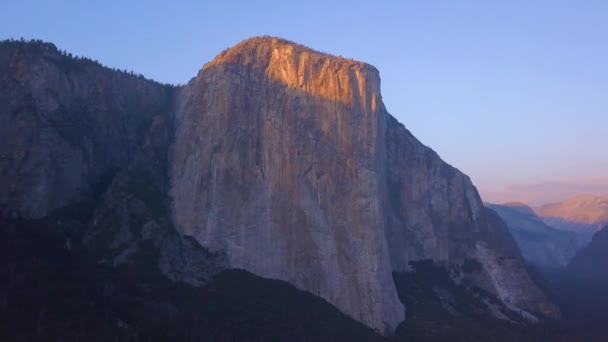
287,160
278,160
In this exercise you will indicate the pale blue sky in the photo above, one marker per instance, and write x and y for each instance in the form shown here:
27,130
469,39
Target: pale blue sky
510,92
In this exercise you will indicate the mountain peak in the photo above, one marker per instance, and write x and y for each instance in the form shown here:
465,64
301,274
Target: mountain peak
259,46
515,204
271,59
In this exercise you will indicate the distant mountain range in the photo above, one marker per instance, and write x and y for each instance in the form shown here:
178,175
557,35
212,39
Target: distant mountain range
540,244
550,235
567,242
584,214
582,208
548,191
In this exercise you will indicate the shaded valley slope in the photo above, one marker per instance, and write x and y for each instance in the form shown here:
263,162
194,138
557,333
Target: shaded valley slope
540,244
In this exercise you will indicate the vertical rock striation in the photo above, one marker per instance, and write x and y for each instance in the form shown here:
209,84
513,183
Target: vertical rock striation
279,160
286,159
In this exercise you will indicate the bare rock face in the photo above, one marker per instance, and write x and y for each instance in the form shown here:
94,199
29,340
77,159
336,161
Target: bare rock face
287,160
279,160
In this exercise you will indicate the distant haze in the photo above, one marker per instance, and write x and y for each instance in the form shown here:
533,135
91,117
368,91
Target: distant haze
536,194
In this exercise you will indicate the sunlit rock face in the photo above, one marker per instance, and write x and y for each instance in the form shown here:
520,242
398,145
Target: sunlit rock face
279,160
286,160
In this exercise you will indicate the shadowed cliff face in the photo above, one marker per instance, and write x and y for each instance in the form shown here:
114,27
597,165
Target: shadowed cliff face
434,212
591,262
65,125
286,159
582,287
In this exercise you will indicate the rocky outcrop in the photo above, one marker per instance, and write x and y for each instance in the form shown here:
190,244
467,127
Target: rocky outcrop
275,159
287,160
539,243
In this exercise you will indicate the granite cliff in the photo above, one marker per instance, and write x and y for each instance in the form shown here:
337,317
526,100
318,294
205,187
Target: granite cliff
275,159
287,160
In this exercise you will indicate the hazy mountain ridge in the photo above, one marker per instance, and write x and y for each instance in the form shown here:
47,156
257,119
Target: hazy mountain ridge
592,261
261,180
540,244
581,288
583,214
584,208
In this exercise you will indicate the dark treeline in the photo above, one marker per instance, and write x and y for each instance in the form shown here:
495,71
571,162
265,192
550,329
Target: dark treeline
42,46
